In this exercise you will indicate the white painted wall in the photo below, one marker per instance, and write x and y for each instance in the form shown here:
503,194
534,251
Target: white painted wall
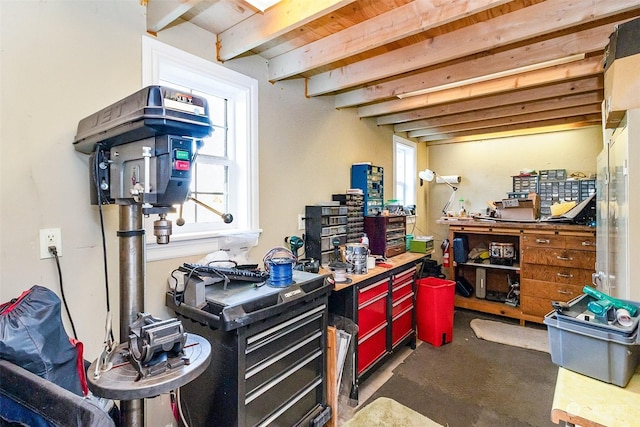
63,60
487,167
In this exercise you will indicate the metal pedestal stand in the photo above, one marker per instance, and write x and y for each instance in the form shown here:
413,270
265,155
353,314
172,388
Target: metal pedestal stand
120,382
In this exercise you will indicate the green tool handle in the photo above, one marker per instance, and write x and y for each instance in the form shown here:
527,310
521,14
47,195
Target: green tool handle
632,309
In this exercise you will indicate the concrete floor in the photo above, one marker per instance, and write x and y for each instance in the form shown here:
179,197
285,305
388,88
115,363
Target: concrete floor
372,384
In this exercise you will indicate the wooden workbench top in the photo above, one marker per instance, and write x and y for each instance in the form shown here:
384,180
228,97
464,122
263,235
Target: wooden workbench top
396,261
495,224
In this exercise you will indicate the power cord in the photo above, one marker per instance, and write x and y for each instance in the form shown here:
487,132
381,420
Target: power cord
54,251
96,166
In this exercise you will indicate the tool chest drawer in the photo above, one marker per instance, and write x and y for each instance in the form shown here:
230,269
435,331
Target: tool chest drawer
372,314
374,290
371,347
401,324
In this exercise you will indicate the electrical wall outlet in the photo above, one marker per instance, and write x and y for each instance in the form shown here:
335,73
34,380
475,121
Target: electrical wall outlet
50,237
301,224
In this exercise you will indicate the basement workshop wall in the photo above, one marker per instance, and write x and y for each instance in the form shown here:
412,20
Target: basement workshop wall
62,61
65,60
486,168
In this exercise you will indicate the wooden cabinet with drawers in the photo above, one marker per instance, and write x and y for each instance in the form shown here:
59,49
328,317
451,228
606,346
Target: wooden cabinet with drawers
555,267
554,263
387,234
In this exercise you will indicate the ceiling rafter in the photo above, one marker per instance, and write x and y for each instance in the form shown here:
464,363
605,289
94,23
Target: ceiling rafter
407,20
504,111
161,14
574,70
593,83
494,132
582,110
532,21
433,67
276,21
587,41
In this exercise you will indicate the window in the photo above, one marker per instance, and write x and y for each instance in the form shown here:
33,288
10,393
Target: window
225,173
404,171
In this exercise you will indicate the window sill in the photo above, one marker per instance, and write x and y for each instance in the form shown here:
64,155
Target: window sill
200,244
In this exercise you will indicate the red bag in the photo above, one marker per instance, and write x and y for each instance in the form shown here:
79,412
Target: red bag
32,336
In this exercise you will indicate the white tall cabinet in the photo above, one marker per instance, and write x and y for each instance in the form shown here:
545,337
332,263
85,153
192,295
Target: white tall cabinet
618,210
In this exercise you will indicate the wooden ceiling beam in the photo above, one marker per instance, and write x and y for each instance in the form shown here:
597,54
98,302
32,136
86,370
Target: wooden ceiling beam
589,98
588,41
520,129
574,70
401,22
162,13
276,21
593,83
535,20
583,110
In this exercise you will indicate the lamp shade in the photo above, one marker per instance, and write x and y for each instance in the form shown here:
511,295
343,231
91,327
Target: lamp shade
427,175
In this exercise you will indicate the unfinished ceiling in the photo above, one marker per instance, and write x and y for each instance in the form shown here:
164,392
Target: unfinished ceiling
440,70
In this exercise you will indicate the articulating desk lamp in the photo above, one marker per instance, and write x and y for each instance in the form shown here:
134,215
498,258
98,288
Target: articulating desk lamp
429,175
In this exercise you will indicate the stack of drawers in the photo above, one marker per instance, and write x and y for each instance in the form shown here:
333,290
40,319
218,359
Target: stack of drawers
402,297
372,323
323,223
554,267
355,215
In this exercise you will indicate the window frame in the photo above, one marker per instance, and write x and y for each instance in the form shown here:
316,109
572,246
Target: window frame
410,176
164,62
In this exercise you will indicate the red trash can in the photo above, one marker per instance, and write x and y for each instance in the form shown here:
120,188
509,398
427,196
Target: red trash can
434,310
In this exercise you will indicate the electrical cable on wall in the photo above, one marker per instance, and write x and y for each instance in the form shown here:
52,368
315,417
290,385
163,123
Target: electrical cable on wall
54,251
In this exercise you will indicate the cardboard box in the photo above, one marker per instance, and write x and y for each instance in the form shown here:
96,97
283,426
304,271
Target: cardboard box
519,209
621,89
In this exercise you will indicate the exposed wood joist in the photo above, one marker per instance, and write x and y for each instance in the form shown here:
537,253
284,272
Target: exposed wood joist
570,101
162,13
407,20
583,110
521,128
587,41
574,70
436,68
522,24
594,83
279,19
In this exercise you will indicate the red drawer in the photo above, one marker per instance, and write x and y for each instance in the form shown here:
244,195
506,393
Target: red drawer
404,277
401,305
371,347
372,314
402,325
401,291
369,292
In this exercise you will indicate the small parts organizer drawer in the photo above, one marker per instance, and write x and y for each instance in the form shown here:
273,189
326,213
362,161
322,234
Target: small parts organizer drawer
372,323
